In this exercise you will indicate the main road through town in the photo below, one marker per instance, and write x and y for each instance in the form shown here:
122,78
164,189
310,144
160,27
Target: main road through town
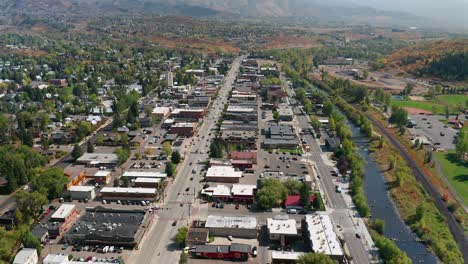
179,206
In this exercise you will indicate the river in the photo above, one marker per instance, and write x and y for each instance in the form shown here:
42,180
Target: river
382,206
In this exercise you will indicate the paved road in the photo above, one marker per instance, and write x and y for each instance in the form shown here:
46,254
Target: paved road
158,245
455,228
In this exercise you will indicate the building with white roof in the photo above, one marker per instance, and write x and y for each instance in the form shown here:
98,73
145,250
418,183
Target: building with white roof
243,189
281,227
323,239
79,192
161,111
98,159
64,212
223,174
63,259
144,174
240,109
115,193
236,226
26,256
285,256
101,176
56,259
221,192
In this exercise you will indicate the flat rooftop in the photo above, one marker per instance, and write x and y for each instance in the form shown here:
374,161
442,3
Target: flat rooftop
128,190
144,174
322,236
108,224
218,221
147,180
281,226
77,188
220,190
63,211
98,157
223,171
102,173
243,189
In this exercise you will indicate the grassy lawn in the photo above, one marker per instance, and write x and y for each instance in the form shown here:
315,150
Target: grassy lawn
456,172
428,106
453,100
291,151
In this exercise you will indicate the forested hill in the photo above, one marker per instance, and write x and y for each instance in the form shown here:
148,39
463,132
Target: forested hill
445,59
453,67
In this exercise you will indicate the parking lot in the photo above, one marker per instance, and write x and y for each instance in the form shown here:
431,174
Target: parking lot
431,130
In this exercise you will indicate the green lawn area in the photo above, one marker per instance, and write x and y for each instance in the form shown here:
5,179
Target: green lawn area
453,100
428,106
456,172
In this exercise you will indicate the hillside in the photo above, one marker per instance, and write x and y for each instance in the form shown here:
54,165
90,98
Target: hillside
445,59
314,10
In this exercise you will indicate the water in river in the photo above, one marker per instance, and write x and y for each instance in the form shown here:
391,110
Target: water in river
382,207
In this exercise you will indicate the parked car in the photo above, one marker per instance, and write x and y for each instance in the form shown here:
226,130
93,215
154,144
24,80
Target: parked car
230,238
291,211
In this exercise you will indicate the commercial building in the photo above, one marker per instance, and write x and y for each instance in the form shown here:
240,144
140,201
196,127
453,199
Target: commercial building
197,236
117,193
183,129
62,219
101,176
238,193
75,174
146,182
322,237
218,193
236,226
106,226
189,113
285,112
243,193
161,112
26,256
223,174
233,251
144,174
82,192
281,228
280,136
199,101
63,259
285,257
98,159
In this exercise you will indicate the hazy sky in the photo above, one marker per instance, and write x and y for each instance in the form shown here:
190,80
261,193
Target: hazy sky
454,12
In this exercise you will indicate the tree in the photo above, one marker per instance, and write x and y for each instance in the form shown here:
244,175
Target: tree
76,152
327,108
30,241
315,258
175,158
90,147
50,183
181,235
399,117
447,112
365,74
315,122
170,169
378,225
215,150
305,195
462,144
293,186
30,203
276,116
271,194
408,88
100,140
122,155
166,148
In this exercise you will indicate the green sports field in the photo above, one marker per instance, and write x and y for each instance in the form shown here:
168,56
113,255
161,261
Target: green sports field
455,171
